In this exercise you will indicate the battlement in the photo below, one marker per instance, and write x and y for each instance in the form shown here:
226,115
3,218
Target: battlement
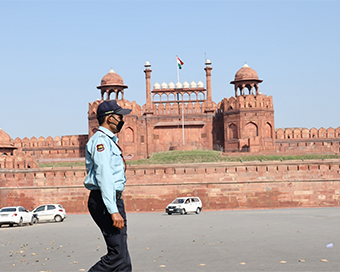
17,162
304,133
64,141
246,102
72,146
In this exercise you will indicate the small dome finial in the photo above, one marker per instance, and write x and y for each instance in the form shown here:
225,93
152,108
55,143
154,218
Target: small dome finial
147,64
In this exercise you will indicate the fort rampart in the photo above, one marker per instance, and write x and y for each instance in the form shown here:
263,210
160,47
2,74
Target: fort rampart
72,146
287,141
241,185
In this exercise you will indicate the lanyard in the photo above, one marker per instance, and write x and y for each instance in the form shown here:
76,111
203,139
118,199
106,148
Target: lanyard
121,150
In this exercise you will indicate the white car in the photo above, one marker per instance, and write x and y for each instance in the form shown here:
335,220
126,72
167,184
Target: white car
48,212
16,215
184,205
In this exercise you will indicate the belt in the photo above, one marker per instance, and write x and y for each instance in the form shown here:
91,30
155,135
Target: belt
119,194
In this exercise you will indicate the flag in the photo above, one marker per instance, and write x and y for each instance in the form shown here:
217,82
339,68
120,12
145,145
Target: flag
179,63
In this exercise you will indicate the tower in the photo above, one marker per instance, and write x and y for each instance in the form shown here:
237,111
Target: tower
209,104
249,116
110,83
147,72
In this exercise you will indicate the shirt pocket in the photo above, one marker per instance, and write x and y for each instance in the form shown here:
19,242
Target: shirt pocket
116,159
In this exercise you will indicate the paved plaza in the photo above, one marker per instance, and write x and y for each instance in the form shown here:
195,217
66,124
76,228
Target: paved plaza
244,240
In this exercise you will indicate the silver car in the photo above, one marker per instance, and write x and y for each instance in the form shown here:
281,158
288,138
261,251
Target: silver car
49,212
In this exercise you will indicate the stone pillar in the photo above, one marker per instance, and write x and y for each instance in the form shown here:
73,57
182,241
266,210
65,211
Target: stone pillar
147,72
208,78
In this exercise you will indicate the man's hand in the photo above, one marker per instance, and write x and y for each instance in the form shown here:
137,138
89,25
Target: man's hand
118,221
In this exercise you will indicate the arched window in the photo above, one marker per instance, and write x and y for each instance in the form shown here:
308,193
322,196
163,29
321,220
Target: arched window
164,97
172,97
201,96
156,97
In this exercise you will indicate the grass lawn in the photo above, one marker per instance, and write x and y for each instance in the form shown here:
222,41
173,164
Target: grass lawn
200,156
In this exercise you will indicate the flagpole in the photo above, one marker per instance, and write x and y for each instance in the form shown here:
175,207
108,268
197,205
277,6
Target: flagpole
182,102
177,69
183,119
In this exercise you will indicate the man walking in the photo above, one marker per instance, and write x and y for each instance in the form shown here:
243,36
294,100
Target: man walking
106,179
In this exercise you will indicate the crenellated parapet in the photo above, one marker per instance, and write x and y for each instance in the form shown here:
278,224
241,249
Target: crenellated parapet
252,102
304,133
308,141
72,146
21,161
41,142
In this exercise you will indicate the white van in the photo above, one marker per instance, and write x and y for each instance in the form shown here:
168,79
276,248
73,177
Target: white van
183,205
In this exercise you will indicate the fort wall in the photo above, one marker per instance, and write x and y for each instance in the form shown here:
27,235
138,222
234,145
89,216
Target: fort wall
17,162
72,146
304,133
287,141
219,185
307,141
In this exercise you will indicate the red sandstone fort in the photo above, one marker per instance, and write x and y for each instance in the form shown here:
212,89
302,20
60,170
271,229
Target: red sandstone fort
183,116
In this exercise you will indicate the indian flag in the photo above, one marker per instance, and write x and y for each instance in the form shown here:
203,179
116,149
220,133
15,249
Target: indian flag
179,63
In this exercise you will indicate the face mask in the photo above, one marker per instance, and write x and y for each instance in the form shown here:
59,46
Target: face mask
120,125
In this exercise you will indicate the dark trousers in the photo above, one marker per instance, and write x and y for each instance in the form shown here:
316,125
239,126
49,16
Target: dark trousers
117,257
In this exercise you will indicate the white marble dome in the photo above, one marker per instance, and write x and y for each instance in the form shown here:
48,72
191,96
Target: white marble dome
193,85
178,85
156,86
171,85
164,85
186,84
200,84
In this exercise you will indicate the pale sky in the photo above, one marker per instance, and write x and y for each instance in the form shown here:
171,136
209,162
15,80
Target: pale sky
54,54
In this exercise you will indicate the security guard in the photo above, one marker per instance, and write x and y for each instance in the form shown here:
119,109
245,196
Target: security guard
106,179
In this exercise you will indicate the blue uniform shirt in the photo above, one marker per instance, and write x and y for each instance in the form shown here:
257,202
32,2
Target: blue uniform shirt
105,167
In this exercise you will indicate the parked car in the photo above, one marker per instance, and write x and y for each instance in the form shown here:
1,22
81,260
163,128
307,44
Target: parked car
16,215
48,212
184,205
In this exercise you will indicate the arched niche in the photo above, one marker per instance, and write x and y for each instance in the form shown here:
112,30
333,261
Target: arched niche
268,131
233,134
129,135
251,130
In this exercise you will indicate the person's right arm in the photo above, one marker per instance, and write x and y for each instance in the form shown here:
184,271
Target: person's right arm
102,165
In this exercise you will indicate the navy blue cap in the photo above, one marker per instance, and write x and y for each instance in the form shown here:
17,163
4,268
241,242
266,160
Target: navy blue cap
111,107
